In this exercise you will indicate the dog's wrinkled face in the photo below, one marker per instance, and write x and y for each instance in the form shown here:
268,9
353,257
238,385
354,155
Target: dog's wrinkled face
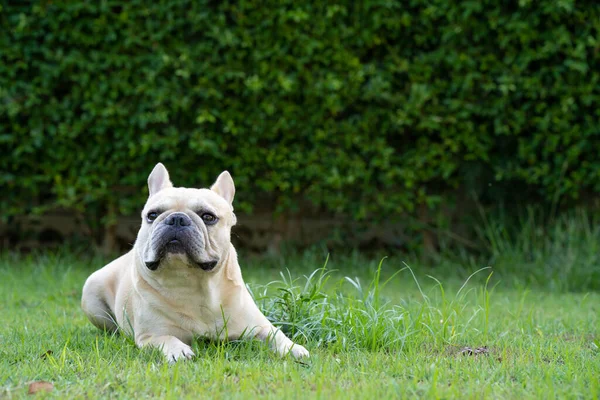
182,226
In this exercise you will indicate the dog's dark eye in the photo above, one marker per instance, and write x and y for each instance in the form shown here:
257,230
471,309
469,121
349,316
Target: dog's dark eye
152,215
209,219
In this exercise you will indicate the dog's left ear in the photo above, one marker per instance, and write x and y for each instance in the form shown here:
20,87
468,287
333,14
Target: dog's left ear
224,187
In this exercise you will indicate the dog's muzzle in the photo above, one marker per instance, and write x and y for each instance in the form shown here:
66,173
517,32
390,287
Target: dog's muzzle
177,234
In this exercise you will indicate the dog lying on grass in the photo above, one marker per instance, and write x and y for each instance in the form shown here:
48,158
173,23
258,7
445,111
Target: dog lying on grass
182,278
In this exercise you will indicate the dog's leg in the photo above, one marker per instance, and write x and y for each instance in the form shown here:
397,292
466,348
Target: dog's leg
173,348
95,304
278,341
262,329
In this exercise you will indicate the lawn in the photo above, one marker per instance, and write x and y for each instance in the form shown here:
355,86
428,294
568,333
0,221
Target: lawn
373,329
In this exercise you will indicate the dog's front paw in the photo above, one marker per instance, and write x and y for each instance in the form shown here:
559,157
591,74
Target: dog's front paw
299,351
296,350
178,351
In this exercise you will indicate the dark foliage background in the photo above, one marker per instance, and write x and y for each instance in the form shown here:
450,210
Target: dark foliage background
369,109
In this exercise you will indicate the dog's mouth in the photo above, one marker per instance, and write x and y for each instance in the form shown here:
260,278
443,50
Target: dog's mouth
173,243
205,266
174,246
179,248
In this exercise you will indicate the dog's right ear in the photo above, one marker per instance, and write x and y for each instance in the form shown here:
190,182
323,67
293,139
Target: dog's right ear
158,179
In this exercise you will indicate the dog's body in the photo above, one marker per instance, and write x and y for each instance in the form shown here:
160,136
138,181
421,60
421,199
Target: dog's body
182,278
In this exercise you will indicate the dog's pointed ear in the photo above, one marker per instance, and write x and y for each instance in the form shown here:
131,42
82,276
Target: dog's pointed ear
158,179
224,187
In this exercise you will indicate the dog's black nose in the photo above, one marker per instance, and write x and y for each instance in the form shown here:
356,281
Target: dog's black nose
178,219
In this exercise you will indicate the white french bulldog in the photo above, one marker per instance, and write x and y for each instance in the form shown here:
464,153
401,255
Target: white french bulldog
182,278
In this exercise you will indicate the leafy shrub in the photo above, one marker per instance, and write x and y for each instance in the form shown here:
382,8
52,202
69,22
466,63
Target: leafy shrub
363,108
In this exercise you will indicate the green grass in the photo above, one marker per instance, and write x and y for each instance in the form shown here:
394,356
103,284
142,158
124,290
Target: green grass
373,329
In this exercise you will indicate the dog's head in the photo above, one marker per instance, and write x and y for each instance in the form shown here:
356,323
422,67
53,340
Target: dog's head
185,226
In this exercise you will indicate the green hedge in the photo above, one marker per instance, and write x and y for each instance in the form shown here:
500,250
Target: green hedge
365,108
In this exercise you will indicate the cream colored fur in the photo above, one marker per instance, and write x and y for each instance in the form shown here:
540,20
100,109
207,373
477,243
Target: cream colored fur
169,306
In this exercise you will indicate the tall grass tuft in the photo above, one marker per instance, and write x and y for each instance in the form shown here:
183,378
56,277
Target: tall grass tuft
346,314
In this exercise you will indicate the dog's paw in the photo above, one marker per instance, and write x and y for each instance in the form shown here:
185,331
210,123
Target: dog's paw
179,351
299,351
296,350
